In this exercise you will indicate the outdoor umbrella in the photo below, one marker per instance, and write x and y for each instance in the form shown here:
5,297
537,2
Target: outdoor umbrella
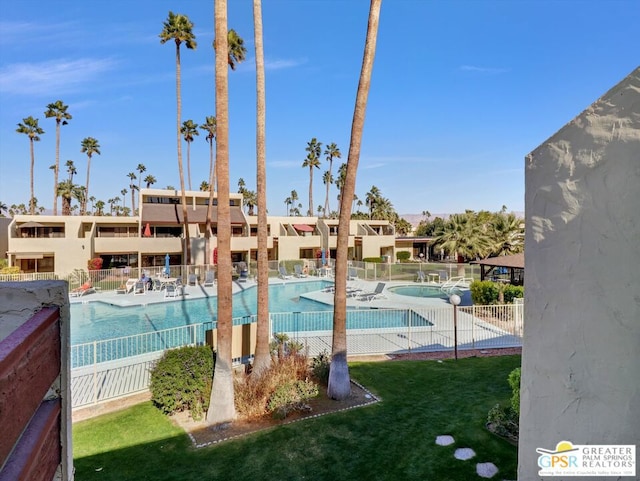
166,263
147,230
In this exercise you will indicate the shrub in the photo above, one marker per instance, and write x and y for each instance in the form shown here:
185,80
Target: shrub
511,292
514,382
377,260
94,264
484,292
403,256
290,397
181,380
320,367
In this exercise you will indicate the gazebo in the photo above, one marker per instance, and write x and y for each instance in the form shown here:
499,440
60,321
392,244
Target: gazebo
503,269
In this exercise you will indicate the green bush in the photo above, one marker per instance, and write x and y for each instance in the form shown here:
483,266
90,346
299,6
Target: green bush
511,292
484,292
403,256
376,260
503,421
514,382
320,367
181,380
291,396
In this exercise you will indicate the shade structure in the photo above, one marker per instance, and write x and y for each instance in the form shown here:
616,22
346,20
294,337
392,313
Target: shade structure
147,230
303,227
30,224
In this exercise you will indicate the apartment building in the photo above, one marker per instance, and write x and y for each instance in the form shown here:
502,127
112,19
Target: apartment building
42,243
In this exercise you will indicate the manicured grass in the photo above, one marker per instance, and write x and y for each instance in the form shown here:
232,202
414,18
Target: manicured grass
391,440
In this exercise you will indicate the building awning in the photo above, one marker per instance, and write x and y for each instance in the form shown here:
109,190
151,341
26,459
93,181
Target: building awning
515,261
303,227
29,255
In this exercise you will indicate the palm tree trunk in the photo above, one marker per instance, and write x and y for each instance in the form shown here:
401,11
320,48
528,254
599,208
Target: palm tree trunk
310,212
339,382
221,405
55,171
32,208
83,204
262,358
189,164
326,199
185,215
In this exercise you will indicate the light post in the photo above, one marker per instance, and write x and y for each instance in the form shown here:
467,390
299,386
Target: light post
454,299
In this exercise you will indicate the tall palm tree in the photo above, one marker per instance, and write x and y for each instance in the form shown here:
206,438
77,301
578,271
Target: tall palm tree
221,405
124,197
30,128
262,357
58,110
178,27
314,148
100,207
339,382
373,196
141,169
133,187
189,130
507,234
149,180
209,127
89,146
331,152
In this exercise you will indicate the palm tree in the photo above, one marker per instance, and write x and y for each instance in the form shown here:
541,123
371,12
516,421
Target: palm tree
327,179
30,128
236,51
294,198
59,111
3,209
204,186
462,236
89,146
150,180
124,197
141,169
179,28
221,405
373,196
100,207
314,148
288,202
132,187
262,358
339,382
331,152
507,234
189,130
250,200
68,191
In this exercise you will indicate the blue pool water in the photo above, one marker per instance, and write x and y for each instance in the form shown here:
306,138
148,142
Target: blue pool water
98,321
419,291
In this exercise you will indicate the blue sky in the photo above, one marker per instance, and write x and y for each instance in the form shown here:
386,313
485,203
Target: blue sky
461,92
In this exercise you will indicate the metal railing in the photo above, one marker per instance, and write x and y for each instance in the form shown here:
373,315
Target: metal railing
111,368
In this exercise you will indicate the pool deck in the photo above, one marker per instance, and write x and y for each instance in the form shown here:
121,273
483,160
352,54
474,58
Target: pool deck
386,299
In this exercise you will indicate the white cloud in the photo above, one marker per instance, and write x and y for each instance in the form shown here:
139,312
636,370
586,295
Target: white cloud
60,75
483,70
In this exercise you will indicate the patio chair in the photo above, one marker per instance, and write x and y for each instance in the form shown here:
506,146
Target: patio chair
283,273
244,275
140,288
420,277
172,290
443,276
353,274
209,279
85,288
192,280
300,271
377,293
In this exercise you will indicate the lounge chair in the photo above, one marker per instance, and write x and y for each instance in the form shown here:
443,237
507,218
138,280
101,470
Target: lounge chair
140,288
283,273
442,276
420,277
85,288
300,271
209,279
244,275
353,274
192,280
377,293
172,290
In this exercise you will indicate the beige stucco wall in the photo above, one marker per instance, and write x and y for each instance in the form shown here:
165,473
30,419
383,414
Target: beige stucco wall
581,362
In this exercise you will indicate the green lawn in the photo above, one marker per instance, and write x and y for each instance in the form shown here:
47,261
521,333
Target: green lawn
390,440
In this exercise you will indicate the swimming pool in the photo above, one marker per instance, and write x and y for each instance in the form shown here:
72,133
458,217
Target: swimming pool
418,291
95,321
